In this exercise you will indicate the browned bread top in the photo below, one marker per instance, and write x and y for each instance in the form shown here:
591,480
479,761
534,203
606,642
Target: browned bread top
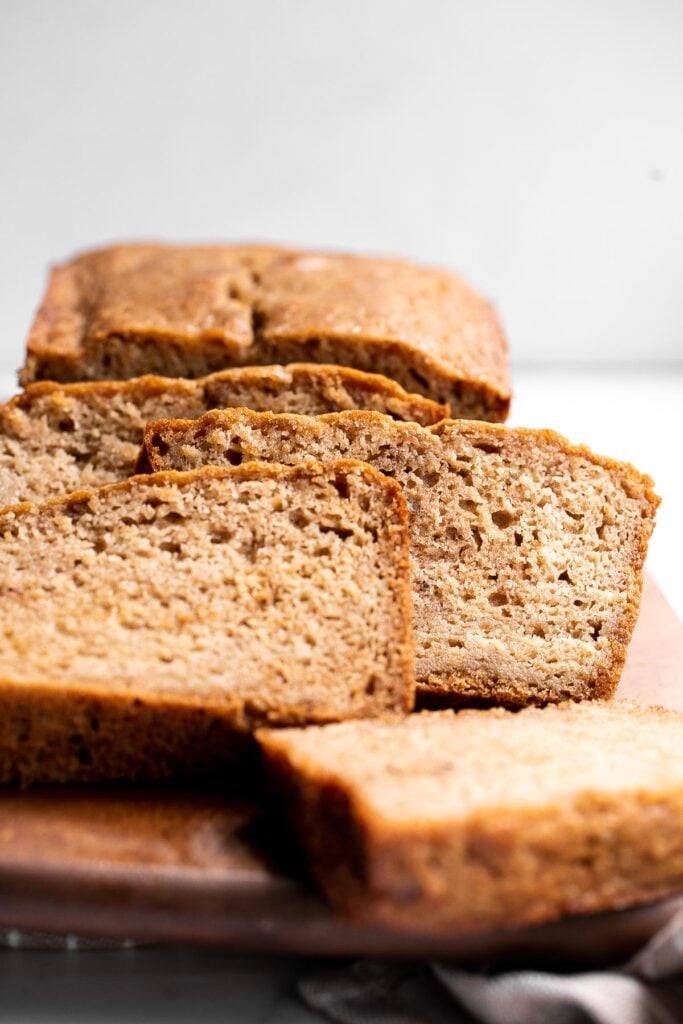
256,594
527,551
189,310
489,819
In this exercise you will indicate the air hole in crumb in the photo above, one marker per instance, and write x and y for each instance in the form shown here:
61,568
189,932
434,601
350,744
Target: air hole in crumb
172,546
455,643
371,686
341,485
489,449
502,519
600,530
258,321
100,545
518,539
565,577
539,631
161,446
477,538
498,598
579,604
468,505
66,425
596,629
221,536
173,517
76,510
574,515
299,519
341,532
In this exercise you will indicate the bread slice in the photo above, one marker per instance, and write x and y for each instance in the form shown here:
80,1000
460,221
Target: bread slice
144,624
185,311
449,822
527,552
56,438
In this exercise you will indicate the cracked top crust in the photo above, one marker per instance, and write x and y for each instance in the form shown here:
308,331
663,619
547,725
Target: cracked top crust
191,310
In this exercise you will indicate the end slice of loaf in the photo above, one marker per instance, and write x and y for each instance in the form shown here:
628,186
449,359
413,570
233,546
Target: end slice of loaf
527,551
185,311
480,820
57,438
145,623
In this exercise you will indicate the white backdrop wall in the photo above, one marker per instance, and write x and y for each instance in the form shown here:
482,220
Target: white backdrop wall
537,146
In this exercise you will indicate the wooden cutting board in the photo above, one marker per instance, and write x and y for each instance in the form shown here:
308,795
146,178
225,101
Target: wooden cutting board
190,866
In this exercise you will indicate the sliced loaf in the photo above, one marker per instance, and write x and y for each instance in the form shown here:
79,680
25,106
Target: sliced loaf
527,552
185,311
464,822
55,438
145,625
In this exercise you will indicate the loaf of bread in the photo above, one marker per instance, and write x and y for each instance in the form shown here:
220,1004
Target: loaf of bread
185,311
144,626
56,438
527,552
447,822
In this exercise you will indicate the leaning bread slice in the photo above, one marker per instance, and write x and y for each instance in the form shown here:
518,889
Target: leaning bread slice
55,438
527,552
187,310
144,624
488,819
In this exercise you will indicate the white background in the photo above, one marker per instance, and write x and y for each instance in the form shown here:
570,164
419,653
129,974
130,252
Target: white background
536,145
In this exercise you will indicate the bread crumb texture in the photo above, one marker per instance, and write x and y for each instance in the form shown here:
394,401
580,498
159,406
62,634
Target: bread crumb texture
488,819
57,438
233,597
527,552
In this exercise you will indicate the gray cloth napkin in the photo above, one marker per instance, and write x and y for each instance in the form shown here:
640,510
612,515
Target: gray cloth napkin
647,990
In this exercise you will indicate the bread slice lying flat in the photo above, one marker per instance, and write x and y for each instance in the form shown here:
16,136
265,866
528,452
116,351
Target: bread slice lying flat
55,438
185,311
526,551
142,625
488,819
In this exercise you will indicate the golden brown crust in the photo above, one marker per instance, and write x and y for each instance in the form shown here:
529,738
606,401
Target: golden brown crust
332,386
55,438
185,311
